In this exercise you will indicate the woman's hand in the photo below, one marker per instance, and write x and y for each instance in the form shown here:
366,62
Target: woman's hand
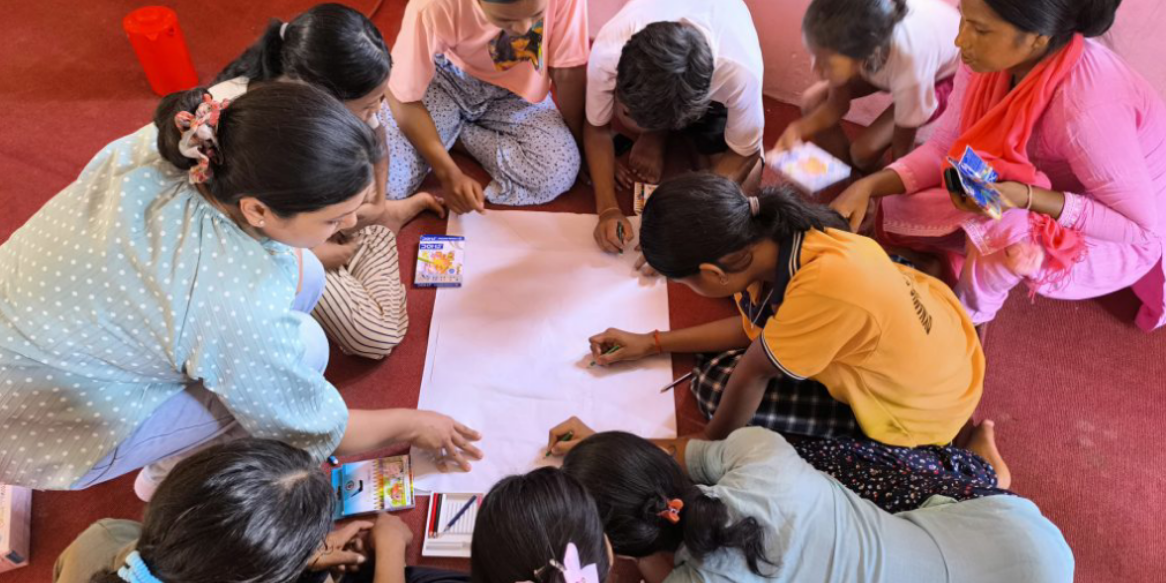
449,441
853,203
566,435
607,230
631,346
463,194
390,534
343,549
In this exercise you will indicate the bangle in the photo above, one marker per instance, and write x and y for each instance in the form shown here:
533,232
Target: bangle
1028,203
659,346
614,208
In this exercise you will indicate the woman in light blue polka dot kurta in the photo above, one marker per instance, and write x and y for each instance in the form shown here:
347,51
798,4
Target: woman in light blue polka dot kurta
144,313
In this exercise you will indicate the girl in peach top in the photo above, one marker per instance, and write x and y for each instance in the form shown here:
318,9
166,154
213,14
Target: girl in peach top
479,73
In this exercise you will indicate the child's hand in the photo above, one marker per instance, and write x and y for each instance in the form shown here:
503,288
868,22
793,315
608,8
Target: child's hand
559,444
337,252
643,267
390,534
463,194
790,138
449,441
343,548
631,346
852,203
607,230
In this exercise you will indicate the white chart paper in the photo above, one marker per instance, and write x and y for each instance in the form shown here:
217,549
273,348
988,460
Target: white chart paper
508,352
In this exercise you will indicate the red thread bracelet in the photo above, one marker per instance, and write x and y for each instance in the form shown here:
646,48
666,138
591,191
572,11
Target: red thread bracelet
659,346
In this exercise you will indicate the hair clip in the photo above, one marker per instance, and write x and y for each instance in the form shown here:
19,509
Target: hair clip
570,568
754,205
135,570
672,512
200,136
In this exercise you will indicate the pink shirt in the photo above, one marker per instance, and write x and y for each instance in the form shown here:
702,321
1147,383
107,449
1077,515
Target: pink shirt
1102,141
459,30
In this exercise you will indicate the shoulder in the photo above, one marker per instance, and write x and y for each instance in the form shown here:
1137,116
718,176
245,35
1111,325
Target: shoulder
833,258
1101,80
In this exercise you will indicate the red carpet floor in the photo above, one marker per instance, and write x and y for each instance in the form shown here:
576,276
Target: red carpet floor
1076,390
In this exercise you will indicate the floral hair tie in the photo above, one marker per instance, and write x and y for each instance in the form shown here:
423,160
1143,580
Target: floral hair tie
570,568
672,512
200,136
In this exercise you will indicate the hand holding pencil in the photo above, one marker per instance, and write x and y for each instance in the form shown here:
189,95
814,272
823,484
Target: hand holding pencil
612,346
567,435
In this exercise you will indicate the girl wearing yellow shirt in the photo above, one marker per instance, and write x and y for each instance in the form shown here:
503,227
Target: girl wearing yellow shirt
834,338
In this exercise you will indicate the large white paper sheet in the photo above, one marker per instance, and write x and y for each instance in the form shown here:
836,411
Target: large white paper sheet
508,352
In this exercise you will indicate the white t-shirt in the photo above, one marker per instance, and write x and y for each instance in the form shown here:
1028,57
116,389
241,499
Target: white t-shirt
922,52
738,71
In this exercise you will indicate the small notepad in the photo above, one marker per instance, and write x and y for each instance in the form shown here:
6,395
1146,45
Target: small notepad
810,167
454,542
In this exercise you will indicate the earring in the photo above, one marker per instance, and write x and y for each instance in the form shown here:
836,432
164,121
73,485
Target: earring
262,223
724,281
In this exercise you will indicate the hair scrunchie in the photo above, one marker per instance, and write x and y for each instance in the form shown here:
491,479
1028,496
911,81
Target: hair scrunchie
754,205
136,571
200,136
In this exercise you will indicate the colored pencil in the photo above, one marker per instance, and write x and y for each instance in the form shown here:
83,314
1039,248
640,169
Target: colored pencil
676,382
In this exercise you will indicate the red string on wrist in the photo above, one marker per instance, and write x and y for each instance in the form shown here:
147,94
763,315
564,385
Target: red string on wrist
659,346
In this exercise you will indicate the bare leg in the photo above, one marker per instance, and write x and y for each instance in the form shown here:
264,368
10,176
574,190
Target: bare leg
868,151
982,442
398,213
646,159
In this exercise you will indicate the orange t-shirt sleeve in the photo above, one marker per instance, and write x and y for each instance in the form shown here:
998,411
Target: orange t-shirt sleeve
413,53
569,42
809,332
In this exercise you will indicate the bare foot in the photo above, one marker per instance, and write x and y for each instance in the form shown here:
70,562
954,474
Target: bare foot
983,443
646,159
398,213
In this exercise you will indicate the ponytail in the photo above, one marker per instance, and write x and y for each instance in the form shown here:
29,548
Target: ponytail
525,524
330,46
262,61
701,218
633,482
289,145
857,29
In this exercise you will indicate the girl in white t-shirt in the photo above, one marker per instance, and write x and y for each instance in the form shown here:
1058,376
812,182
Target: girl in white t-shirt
902,47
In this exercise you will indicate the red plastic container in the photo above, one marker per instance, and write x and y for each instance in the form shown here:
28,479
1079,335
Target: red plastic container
161,48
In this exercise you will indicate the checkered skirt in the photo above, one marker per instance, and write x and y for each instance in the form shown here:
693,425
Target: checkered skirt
789,406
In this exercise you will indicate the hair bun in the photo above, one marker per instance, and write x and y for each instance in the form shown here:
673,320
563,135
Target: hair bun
1096,17
168,133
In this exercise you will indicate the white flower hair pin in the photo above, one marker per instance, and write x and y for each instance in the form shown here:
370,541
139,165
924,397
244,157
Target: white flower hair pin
570,568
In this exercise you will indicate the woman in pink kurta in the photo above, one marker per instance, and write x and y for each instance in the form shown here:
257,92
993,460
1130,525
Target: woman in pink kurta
1097,142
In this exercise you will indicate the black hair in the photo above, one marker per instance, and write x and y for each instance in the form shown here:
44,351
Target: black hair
246,511
702,218
331,46
526,523
632,482
664,75
1058,19
858,29
290,145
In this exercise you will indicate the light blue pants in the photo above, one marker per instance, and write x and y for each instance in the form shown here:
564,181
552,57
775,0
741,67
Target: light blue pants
196,418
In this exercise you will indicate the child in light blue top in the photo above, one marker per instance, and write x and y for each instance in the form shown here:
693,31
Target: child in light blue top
140,285
749,509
